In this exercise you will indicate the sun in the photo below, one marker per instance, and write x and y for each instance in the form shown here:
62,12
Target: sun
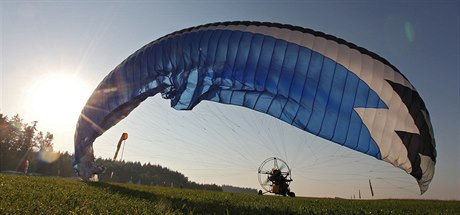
55,101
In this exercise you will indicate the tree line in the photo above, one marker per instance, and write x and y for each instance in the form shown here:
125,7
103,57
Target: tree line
25,150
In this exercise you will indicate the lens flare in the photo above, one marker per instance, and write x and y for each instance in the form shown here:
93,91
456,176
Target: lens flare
410,32
48,157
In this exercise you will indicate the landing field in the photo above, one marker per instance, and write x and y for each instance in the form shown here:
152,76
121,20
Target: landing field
43,195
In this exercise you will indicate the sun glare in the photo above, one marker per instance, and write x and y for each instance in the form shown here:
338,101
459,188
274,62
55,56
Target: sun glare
57,100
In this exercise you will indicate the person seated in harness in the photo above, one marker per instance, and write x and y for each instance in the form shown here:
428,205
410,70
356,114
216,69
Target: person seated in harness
280,185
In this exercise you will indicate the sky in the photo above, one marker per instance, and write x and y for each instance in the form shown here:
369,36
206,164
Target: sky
54,54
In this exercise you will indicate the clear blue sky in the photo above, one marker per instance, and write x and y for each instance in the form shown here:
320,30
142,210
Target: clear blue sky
220,144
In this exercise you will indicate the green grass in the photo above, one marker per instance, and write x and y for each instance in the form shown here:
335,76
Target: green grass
41,195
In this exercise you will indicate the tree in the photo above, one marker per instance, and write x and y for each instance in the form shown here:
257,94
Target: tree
18,140
44,142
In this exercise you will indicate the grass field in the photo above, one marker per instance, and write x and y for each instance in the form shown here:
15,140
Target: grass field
42,195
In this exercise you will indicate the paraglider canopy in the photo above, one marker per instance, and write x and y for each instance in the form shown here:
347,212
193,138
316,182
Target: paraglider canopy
313,81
